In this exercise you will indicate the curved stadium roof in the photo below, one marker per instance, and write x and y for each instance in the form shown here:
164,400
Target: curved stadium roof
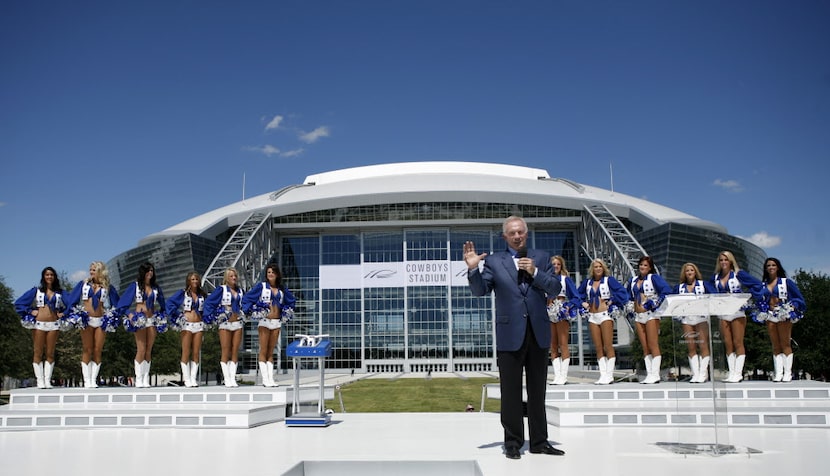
433,182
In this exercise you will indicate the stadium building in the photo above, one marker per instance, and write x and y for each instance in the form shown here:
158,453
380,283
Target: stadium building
374,255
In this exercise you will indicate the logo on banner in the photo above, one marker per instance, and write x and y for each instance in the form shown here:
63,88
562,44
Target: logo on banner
380,274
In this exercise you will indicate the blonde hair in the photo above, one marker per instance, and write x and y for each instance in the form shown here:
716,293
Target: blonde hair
731,259
101,274
563,271
228,274
683,272
605,270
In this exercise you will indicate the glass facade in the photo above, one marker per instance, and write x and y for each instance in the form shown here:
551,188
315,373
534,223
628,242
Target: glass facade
673,244
397,300
172,257
426,211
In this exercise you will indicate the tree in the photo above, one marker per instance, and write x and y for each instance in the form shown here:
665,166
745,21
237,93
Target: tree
15,341
211,354
811,335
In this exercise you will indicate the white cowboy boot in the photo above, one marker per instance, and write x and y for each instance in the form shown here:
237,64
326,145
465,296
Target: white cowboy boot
263,370
654,372
146,373
647,359
48,367
557,370
609,370
186,374
94,368
232,372
694,366
788,368
86,371
137,368
38,366
271,374
738,375
601,365
778,366
194,374
225,373
564,369
704,369
730,362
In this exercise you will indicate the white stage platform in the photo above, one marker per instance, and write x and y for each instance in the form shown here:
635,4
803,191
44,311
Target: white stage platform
355,444
413,443
799,403
245,406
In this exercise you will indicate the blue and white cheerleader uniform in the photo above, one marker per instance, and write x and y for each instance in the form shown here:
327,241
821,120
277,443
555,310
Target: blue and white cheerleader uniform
154,301
699,288
178,305
257,303
650,293
567,309
34,299
609,290
221,304
791,304
735,284
78,317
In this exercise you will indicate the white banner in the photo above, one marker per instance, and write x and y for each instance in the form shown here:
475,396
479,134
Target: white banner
394,275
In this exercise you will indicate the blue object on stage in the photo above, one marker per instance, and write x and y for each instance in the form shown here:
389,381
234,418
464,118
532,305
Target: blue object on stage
306,348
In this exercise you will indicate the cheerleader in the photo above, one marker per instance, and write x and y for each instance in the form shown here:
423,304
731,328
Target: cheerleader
145,320
184,311
91,308
224,305
695,328
729,278
272,304
647,292
786,306
604,299
562,309
40,309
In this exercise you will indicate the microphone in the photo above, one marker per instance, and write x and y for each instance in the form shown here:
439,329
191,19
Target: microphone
523,276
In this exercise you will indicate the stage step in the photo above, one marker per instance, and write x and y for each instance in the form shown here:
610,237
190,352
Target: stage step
154,407
219,415
813,414
753,403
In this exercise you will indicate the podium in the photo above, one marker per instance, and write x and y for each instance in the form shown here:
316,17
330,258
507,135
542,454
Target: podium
709,305
309,347
703,304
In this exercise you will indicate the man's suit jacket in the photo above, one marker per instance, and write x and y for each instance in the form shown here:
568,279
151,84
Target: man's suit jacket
515,307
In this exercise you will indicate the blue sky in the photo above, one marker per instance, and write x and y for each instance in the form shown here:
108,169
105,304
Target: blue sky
120,119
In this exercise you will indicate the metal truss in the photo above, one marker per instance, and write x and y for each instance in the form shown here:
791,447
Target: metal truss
606,238
247,250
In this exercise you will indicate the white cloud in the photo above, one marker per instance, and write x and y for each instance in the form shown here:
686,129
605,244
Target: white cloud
78,275
728,185
2,204
315,135
764,240
275,123
267,150
292,153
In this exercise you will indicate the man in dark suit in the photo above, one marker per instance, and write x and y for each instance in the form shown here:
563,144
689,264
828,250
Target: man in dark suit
522,279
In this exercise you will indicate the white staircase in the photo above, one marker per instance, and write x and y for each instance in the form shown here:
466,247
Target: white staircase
155,407
801,403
